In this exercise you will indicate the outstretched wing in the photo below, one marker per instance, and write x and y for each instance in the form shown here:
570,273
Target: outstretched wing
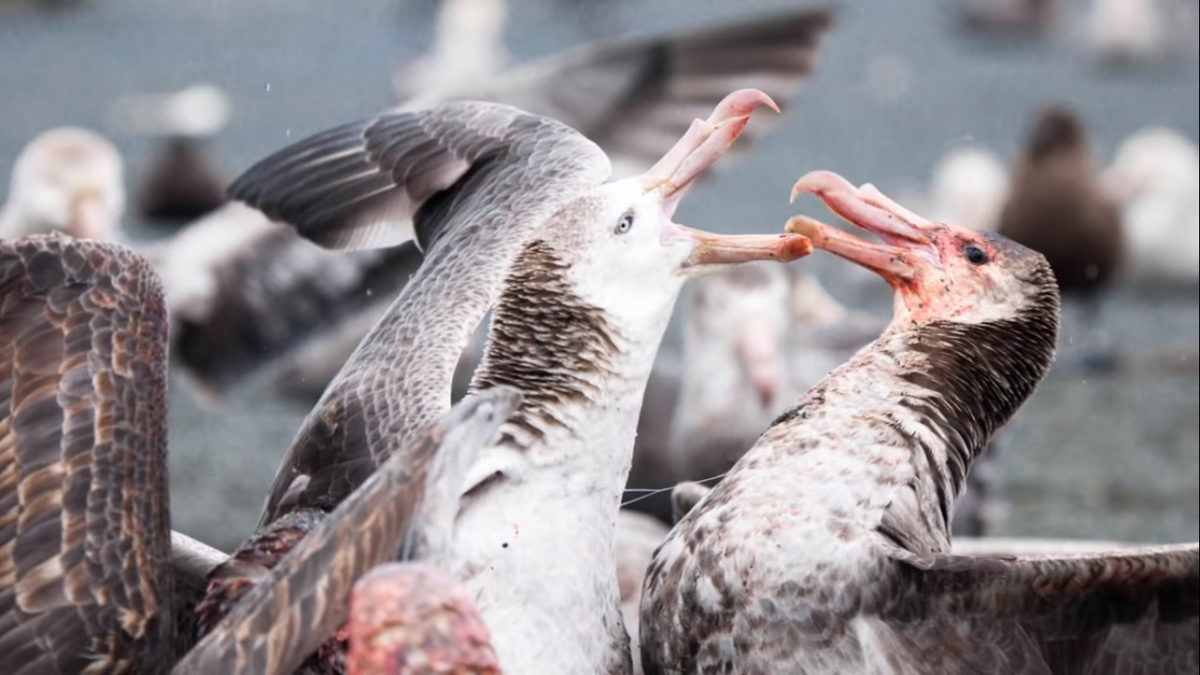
397,177
85,576
471,181
305,598
1129,611
636,97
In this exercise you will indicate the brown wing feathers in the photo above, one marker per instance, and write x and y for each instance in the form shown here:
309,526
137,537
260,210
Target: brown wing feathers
84,527
297,607
1134,610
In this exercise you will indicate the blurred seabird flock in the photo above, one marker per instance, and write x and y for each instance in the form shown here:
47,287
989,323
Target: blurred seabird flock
513,459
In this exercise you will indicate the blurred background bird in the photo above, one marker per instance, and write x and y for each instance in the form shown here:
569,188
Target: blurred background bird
182,181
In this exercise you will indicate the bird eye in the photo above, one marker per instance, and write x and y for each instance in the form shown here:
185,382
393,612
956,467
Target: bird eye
625,224
976,255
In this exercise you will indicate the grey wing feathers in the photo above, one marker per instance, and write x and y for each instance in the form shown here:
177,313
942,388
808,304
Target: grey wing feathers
636,97
324,180
1127,611
305,598
362,185
525,168
85,576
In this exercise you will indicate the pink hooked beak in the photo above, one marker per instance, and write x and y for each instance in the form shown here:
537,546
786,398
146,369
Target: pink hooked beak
903,232
704,142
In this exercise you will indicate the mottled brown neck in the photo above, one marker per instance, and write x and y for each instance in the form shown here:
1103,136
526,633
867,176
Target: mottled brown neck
547,342
979,376
965,382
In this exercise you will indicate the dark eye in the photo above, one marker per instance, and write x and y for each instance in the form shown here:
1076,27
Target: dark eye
625,224
976,255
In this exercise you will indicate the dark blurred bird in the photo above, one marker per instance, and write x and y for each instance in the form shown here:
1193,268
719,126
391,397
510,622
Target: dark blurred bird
1057,207
182,181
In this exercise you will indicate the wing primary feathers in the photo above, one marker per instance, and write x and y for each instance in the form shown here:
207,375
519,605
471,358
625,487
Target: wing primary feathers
299,605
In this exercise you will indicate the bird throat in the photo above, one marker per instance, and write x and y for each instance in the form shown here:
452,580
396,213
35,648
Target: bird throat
557,349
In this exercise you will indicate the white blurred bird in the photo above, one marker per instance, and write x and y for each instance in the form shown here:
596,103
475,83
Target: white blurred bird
1155,177
969,187
1128,31
66,179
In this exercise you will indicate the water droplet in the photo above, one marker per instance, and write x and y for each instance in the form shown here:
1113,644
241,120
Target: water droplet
287,133
268,87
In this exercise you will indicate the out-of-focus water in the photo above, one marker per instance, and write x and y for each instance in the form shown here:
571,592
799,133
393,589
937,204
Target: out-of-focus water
898,86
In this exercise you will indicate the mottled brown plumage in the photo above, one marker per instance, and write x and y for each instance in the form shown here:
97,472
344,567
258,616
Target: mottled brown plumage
229,582
1057,207
826,549
85,580
86,573
301,596
548,341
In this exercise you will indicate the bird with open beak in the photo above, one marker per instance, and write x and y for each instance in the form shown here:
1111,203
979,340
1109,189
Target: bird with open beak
577,329
669,179
925,262
512,210
826,548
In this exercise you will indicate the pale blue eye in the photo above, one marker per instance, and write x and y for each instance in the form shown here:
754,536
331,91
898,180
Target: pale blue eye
625,224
